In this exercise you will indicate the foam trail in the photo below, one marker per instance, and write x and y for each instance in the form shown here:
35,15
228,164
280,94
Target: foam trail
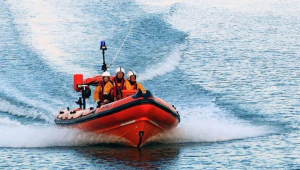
46,102
209,124
169,65
26,112
36,136
44,26
8,122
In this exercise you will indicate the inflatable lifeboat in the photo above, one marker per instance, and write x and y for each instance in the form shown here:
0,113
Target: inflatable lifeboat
136,117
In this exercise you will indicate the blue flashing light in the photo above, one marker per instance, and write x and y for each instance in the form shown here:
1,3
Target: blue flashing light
103,46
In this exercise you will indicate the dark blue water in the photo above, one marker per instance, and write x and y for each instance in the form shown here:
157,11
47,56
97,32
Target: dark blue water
230,68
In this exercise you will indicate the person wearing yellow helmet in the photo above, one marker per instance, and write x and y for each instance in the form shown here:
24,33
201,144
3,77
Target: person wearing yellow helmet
131,83
102,94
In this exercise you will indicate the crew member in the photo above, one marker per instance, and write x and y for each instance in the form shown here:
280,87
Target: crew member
102,94
119,83
131,83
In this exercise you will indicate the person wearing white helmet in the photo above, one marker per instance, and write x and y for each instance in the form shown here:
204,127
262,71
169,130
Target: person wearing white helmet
102,94
119,83
131,83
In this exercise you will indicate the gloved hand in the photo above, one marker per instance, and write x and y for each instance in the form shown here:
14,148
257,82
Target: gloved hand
98,104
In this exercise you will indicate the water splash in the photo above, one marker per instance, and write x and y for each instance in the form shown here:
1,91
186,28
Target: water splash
37,136
210,124
8,122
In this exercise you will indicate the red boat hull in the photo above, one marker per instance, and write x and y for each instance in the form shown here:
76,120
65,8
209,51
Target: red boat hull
138,132
136,118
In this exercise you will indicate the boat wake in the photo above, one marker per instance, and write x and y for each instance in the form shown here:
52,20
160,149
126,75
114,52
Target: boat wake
8,122
200,124
14,134
209,124
43,25
7,107
168,65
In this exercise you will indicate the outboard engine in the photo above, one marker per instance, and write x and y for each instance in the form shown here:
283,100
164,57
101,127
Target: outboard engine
85,90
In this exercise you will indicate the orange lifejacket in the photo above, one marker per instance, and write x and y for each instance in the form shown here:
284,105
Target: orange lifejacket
101,96
118,87
135,87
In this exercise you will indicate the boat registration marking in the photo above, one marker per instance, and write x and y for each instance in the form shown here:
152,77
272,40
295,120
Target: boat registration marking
127,123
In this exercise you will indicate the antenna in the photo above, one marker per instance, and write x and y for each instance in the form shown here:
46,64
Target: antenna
120,47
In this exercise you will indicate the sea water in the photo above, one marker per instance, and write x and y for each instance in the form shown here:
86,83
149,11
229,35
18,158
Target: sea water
230,67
